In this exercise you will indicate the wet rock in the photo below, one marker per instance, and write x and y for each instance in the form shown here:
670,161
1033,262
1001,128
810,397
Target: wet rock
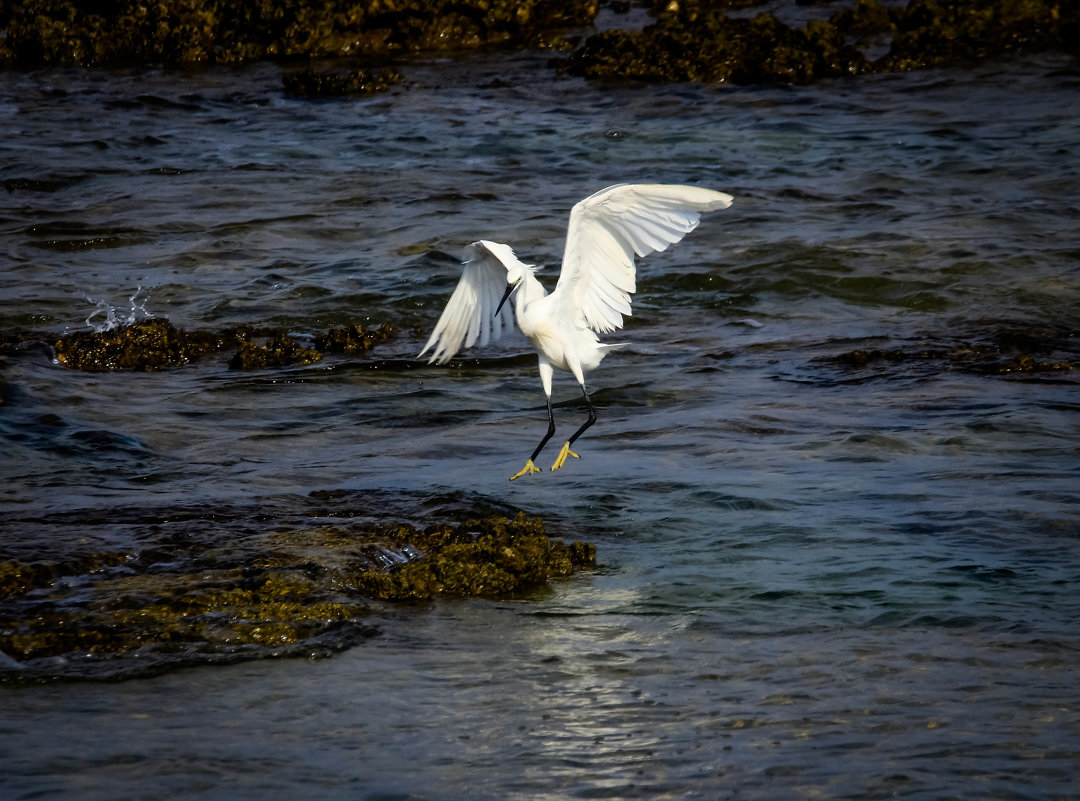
996,349
947,32
156,344
198,590
486,557
696,41
221,31
868,18
352,340
223,608
19,577
340,83
280,351
144,345
691,40
709,47
1029,364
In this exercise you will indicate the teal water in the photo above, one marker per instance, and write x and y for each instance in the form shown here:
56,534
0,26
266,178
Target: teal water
816,578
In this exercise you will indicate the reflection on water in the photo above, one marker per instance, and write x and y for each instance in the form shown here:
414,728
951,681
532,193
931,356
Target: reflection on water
832,485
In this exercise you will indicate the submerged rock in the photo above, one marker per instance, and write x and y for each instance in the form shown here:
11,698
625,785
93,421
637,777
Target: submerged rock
352,340
196,593
487,557
156,344
219,610
19,577
280,351
1003,349
696,41
222,31
340,83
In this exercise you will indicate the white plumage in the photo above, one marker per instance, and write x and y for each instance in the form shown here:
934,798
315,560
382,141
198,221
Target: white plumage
469,315
607,230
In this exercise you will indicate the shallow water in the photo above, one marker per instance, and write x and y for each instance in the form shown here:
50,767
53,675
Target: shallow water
816,578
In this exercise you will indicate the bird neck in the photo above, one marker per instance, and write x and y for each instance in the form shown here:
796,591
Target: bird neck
530,290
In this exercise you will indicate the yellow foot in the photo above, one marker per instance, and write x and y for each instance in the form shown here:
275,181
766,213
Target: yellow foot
529,469
562,456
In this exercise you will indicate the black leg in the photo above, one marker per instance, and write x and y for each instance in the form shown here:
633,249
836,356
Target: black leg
589,422
560,460
550,432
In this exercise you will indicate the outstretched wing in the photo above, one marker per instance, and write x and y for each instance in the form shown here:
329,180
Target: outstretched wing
470,313
606,231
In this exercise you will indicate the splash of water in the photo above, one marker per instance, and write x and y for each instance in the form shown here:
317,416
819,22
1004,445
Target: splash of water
106,316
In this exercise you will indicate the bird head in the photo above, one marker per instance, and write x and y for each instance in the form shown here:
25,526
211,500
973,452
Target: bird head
512,283
496,252
516,270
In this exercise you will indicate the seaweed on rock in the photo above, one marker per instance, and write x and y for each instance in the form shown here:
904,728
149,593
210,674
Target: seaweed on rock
151,344
219,31
714,48
353,340
696,41
340,83
937,33
280,351
195,594
1000,348
156,344
485,557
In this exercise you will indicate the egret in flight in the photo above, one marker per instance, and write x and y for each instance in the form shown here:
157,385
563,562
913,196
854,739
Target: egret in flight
593,293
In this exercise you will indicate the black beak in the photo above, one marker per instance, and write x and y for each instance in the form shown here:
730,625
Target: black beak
506,294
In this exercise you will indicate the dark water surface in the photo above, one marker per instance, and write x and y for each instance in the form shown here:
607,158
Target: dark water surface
819,577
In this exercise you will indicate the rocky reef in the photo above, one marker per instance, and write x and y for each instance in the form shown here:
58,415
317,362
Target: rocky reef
196,591
173,32
156,344
992,348
340,82
695,40
691,40
951,32
708,46
151,344
488,557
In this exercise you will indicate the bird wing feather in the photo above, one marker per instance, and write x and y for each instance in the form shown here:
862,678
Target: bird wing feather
608,229
469,315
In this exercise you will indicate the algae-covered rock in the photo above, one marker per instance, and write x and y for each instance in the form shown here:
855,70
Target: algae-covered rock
353,339
691,40
199,592
280,351
156,344
1005,348
18,577
486,557
696,41
216,608
713,48
340,83
931,33
224,31
144,345
866,19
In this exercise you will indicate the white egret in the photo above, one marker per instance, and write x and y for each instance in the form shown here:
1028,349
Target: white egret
593,293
